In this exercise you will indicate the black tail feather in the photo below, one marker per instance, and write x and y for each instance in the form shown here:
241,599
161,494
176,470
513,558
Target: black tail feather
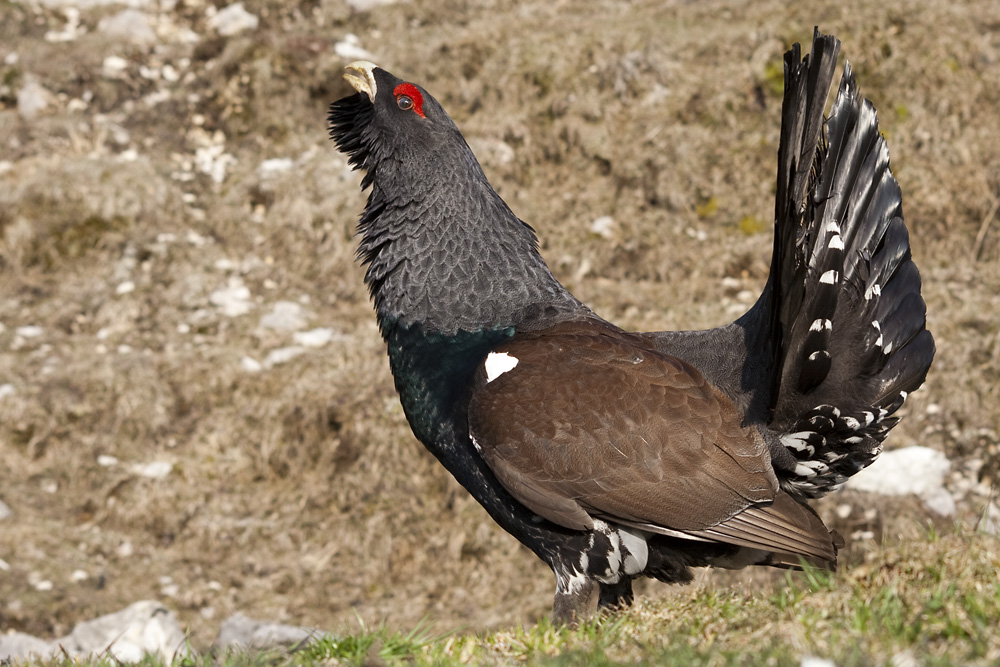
849,337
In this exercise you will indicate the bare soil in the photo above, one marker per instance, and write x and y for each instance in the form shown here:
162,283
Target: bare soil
296,492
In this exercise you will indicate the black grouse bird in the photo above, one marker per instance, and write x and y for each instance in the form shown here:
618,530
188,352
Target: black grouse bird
611,454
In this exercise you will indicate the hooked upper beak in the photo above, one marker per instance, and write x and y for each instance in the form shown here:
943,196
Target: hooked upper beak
360,74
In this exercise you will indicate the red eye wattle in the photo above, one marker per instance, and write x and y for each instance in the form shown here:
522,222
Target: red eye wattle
408,98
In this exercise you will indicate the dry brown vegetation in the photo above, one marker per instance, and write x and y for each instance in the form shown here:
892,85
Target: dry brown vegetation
297,492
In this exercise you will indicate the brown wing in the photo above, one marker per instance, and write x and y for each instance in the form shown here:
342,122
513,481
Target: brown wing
582,421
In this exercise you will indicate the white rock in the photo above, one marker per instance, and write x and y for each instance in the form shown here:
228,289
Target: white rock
314,337
32,98
30,331
898,472
214,161
106,460
6,390
275,166
603,226
125,549
113,66
5,511
911,470
989,522
350,49
144,628
285,316
233,300
78,576
939,501
129,25
282,355
367,5
240,631
70,31
153,469
251,365
233,20
18,647
813,661
125,287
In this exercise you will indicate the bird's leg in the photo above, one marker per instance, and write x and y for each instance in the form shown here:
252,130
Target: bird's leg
615,596
576,597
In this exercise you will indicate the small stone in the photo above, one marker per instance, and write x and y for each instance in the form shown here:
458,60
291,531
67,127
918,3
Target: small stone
6,390
113,66
129,25
274,166
314,337
813,661
233,300
32,98
79,576
282,355
603,226
144,628
251,365
44,586
125,288
125,549
107,461
18,647
5,511
153,470
233,20
70,31
350,49
940,501
285,316
367,5
917,470
29,331
240,631
989,522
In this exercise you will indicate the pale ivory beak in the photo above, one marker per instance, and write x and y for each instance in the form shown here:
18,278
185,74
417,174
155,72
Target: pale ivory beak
360,74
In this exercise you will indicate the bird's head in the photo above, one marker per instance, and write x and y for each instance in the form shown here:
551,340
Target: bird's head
390,122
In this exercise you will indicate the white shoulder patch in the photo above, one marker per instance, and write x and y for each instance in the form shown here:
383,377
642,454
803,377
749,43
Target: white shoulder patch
498,363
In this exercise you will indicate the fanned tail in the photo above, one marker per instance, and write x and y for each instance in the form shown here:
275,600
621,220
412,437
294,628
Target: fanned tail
848,320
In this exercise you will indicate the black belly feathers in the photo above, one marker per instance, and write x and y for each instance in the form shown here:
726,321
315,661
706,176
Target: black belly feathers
611,454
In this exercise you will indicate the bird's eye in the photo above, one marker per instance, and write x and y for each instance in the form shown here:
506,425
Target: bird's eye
404,102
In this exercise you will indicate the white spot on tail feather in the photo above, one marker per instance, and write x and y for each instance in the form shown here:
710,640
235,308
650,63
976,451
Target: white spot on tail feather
636,550
821,325
811,468
830,277
498,363
836,242
874,290
852,423
799,442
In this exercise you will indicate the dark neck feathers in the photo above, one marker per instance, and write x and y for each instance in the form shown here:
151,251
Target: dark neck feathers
446,253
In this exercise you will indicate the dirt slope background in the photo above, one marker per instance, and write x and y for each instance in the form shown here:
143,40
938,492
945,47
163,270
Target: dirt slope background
194,400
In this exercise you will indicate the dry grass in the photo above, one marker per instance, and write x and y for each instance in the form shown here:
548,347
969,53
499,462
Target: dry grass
297,493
